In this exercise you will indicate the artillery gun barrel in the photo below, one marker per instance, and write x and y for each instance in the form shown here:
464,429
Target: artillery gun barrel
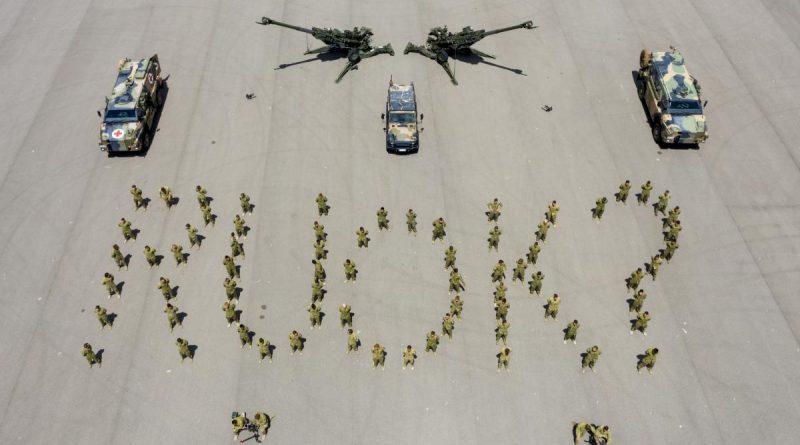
269,21
526,25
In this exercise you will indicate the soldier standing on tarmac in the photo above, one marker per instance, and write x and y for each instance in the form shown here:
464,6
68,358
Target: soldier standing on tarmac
363,240
127,232
499,272
449,257
352,341
345,315
378,356
553,304
648,361
571,333
90,356
519,271
202,196
644,196
438,229
177,252
501,331
409,356
431,342
541,233
533,253
590,358
350,270
448,324
535,285
504,358
150,256
552,212
244,200
322,205
661,205
194,238
264,349
102,317
314,314
172,316
118,257
138,200
383,219
494,238
599,208
296,342
166,195
411,222
166,288
494,210
111,286
624,189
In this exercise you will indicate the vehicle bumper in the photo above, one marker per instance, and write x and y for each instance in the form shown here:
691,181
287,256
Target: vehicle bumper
402,148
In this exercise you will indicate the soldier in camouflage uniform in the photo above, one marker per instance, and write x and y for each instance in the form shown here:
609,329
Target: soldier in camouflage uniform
672,232
322,204
361,236
571,333
661,205
172,316
239,424
319,231
411,222
431,342
244,201
541,233
150,256
138,199
553,304
599,208
194,238
552,212
230,288
456,281
409,356
102,317
184,350
644,196
208,217
579,430
118,257
499,291
590,358
314,314
449,257
672,216
202,196
262,423
378,356
383,219
637,302
177,252
494,238
438,229
345,315
230,267
648,361
165,288
624,189
264,350
499,271
501,331
244,336
494,210
350,270
504,358
519,271
535,285
317,293
533,253
352,341
166,195
448,324
669,249
635,279
652,267
127,232
231,316
599,435
456,305
90,356
238,226
111,286
319,271
320,253
640,324
501,309
296,342
236,247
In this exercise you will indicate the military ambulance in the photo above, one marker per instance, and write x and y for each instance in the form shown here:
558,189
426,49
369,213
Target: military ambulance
672,98
128,117
401,126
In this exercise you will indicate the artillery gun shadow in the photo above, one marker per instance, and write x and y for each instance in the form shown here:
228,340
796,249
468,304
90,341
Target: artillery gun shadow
637,83
324,57
474,59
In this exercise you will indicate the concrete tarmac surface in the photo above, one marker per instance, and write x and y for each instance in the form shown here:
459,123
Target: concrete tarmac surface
726,316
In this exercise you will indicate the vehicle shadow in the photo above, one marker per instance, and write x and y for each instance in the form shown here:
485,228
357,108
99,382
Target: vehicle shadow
473,59
639,85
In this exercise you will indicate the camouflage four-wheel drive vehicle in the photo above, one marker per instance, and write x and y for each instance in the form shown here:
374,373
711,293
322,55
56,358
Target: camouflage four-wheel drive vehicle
131,108
401,124
672,98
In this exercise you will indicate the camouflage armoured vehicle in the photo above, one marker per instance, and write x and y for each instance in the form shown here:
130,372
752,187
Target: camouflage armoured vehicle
402,129
441,44
128,118
672,98
356,44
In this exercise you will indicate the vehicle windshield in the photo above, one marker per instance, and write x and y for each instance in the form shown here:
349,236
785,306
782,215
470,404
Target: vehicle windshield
685,107
402,118
120,115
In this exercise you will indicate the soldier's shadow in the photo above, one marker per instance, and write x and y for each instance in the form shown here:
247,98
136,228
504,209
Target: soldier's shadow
325,57
473,59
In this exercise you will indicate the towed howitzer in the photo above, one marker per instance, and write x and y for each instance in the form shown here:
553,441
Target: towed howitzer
442,44
356,43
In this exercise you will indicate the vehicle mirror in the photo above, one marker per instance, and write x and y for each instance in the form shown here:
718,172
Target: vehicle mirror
383,116
421,130
705,103
99,114
421,116
107,100
384,129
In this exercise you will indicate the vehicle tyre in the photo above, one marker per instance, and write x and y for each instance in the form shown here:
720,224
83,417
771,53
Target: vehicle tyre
657,134
644,58
146,139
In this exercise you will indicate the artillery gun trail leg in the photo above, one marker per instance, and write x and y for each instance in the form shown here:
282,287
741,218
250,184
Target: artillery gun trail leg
347,68
446,67
386,49
481,53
